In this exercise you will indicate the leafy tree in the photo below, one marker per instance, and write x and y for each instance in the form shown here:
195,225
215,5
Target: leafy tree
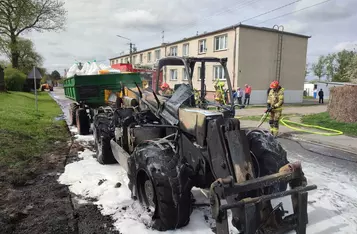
43,71
20,16
351,71
14,79
27,56
343,61
307,69
56,75
318,68
330,66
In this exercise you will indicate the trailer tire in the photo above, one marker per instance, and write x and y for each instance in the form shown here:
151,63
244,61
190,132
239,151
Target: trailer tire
82,120
102,139
270,155
150,164
72,113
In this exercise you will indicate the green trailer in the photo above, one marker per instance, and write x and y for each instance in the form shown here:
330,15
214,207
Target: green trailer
89,92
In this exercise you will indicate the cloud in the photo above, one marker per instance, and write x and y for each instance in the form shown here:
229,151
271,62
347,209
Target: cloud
92,26
347,45
317,17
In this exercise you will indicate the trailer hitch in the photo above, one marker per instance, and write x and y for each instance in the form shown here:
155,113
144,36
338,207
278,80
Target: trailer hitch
253,220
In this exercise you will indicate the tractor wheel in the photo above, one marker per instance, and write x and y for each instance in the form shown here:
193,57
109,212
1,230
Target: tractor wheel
82,120
72,113
270,155
102,139
154,178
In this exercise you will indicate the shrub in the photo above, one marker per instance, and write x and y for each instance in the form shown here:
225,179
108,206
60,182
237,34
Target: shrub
14,79
342,104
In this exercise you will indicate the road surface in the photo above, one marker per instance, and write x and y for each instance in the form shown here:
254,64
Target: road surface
332,207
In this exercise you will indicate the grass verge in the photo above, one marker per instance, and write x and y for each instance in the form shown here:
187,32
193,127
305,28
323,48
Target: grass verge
26,135
323,119
259,117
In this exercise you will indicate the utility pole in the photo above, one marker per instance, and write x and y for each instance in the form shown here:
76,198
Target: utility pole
163,36
131,52
34,78
130,48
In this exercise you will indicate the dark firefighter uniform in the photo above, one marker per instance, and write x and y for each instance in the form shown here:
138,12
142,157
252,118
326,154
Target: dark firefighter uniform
275,104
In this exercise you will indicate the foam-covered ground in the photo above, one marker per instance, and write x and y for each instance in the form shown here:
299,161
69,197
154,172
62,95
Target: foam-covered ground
332,207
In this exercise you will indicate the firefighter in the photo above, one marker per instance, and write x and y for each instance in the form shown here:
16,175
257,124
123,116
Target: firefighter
275,102
197,96
220,95
166,90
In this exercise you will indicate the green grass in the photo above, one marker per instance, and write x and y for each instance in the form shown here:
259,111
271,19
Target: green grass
258,117
324,120
26,135
308,97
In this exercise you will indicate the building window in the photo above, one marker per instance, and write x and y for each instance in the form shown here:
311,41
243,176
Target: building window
121,60
184,74
157,54
202,48
141,58
218,73
134,59
199,73
185,49
149,57
173,74
173,51
220,42
127,60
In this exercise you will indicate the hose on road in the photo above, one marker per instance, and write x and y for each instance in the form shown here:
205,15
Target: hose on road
288,123
329,131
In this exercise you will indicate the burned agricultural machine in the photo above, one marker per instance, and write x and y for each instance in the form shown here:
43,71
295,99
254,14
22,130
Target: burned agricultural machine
170,144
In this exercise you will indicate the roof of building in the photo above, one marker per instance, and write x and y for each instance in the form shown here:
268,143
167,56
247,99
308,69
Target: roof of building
215,32
32,73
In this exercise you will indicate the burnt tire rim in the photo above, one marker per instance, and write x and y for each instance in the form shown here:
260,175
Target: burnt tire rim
150,193
147,194
99,145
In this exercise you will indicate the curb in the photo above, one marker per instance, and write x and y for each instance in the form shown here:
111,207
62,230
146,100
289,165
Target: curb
321,143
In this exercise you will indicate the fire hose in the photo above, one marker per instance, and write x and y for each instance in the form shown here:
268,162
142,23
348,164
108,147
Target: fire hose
289,123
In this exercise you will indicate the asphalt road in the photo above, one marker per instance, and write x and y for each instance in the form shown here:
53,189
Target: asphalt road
333,206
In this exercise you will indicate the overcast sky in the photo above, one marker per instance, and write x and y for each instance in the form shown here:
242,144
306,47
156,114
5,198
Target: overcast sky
92,26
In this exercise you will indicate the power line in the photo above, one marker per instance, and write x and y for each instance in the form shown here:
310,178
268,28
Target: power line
238,5
289,13
222,11
244,4
270,11
267,12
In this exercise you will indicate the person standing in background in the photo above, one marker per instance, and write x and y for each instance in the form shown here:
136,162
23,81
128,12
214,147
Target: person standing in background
247,92
239,95
321,96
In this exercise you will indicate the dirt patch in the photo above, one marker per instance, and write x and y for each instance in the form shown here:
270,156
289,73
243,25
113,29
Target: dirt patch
32,201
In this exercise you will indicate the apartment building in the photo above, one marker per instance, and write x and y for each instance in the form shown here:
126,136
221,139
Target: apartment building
256,56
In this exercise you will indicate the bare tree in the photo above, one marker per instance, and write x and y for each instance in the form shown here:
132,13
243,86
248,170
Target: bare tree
19,16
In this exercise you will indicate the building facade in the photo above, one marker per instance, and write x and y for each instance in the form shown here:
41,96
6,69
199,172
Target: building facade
256,56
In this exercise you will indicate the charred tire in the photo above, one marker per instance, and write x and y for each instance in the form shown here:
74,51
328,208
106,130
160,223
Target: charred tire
102,137
169,198
72,113
82,121
270,155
